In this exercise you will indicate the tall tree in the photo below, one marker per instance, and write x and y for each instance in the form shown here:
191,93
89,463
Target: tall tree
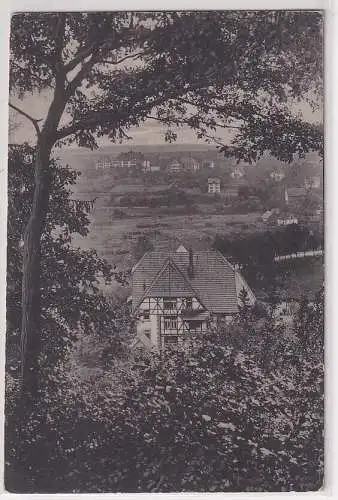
72,303
106,72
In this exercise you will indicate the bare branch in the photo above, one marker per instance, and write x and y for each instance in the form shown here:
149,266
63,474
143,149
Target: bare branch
26,115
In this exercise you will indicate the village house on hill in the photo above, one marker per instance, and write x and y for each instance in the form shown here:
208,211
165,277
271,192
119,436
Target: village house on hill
178,294
109,162
214,185
237,173
286,220
208,164
174,167
147,166
312,182
277,175
190,164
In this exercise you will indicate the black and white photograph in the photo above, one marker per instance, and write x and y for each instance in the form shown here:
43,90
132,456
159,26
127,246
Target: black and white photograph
165,252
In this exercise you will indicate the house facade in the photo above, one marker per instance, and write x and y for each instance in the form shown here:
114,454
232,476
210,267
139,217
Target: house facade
190,164
174,167
237,173
312,182
104,162
176,295
214,185
148,167
287,220
277,176
107,162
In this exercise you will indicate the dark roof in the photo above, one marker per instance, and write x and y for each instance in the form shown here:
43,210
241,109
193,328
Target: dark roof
165,274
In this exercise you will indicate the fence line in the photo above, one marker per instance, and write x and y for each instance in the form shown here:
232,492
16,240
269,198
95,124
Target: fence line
294,255
299,255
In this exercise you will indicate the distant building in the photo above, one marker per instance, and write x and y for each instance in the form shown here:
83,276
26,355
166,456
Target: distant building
312,182
277,176
237,173
174,167
107,162
190,164
125,163
176,295
287,220
148,167
103,162
214,185
208,164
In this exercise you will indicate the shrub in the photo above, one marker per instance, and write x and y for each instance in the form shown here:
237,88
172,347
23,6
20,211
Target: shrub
211,419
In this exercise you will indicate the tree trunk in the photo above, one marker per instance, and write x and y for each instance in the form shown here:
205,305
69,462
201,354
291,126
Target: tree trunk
31,303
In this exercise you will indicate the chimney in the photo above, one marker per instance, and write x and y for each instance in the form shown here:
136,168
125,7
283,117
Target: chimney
191,264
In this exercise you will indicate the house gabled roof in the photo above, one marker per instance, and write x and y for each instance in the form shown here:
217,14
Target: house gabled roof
164,274
169,282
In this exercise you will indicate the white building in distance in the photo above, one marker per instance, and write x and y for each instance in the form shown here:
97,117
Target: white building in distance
214,185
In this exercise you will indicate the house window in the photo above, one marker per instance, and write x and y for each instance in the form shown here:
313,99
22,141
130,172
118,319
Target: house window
169,303
146,314
170,322
188,303
170,339
195,326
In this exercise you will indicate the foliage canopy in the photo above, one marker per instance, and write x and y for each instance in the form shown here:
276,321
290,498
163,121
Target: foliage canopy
217,70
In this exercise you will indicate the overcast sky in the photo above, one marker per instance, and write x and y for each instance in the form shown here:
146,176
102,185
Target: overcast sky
151,132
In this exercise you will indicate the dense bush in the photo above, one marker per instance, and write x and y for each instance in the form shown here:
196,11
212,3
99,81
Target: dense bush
260,248
215,418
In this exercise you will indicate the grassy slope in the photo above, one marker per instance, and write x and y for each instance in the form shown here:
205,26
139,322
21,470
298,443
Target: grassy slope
114,238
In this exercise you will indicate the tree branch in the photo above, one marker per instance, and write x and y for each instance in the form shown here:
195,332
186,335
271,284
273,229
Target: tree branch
79,57
76,127
86,67
214,139
186,122
26,115
59,34
129,56
59,37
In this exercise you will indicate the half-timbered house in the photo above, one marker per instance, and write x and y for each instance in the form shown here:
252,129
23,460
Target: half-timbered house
178,294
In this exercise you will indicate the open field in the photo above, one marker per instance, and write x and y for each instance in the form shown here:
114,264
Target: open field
113,237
